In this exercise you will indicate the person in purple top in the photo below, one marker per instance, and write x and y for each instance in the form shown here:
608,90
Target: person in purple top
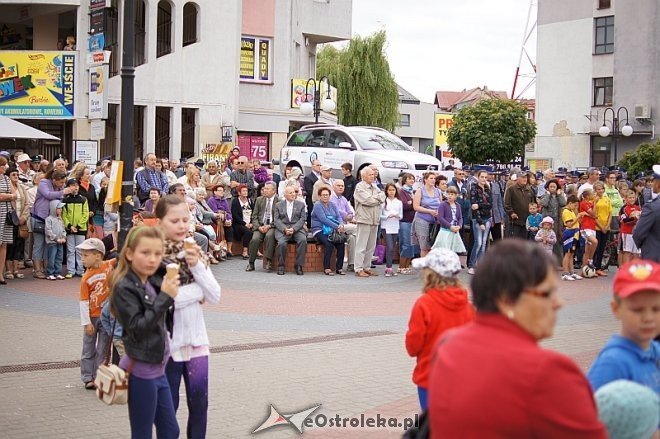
141,299
219,204
51,187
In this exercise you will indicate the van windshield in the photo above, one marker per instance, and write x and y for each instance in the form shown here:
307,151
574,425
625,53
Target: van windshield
375,140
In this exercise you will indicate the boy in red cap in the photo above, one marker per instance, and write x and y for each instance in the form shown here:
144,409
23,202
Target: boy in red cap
633,355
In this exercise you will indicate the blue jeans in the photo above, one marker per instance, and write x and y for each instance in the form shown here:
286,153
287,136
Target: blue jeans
423,397
149,404
406,249
73,255
480,241
55,254
390,240
195,375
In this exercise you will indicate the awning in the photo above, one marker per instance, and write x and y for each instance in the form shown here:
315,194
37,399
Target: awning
12,129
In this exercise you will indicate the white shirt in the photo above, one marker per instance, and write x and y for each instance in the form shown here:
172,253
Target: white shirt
289,209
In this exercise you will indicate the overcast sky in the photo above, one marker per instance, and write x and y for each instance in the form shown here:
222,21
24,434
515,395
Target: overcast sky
449,45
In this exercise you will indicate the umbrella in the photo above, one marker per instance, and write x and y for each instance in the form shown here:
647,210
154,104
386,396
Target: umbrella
12,129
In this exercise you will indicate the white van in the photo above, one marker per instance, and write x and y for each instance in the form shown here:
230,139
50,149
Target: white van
334,145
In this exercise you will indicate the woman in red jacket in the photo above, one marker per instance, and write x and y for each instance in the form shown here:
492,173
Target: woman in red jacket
490,378
443,305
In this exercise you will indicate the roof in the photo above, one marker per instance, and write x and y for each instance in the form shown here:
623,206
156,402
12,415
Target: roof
449,100
405,97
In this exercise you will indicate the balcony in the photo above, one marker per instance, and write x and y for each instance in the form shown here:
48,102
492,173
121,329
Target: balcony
325,21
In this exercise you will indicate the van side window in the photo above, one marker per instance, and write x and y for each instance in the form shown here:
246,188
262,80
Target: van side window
298,139
335,138
316,139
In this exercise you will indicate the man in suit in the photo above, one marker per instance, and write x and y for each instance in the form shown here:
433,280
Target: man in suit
308,185
647,231
263,228
289,220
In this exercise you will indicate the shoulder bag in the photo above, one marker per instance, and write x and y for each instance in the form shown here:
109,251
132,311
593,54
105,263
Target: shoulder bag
111,380
12,216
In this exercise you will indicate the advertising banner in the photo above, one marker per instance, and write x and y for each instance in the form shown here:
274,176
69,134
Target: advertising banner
37,84
442,124
98,96
263,60
298,95
216,151
247,58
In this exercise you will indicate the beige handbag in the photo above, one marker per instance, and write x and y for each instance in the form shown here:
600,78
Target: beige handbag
112,381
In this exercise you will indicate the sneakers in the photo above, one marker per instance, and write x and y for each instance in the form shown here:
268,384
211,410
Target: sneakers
68,276
51,277
567,277
470,270
59,277
576,276
388,272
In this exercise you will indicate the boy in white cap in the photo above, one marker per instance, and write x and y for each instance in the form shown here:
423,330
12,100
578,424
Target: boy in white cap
93,294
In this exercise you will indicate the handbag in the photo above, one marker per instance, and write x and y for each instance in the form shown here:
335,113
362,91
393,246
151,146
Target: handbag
23,231
434,228
111,380
337,237
12,218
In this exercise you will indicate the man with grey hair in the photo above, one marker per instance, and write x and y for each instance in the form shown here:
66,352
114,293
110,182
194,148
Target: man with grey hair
263,227
242,175
60,165
593,175
213,178
368,200
106,166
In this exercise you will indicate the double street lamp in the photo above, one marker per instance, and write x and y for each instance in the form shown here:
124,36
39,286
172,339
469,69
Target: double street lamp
626,130
327,104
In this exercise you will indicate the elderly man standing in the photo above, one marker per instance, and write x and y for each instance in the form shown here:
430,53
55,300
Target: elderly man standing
646,233
368,200
25,173
242,175
348,217
325,180
149,177
289,220
262,226
516,203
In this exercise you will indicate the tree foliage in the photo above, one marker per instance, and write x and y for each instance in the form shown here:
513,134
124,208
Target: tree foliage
642,158
493,129
366,91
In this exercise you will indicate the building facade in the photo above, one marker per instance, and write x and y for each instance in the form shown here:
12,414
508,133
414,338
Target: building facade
591,56
417,121
208,75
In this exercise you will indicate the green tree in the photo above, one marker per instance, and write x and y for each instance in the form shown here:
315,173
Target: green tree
642,158
493,129
366,91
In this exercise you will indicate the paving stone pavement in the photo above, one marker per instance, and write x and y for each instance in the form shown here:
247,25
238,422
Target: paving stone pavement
290,341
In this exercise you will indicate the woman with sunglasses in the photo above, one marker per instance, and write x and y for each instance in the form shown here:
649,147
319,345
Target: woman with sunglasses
495,366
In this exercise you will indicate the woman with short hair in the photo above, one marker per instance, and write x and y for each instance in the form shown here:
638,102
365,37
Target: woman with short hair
491,378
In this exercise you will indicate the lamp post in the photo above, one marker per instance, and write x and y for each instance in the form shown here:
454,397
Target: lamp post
126,149
317,105
626,130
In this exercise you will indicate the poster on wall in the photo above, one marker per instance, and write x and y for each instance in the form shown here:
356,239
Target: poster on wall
98,96
442,124
216,151
37,84
298,95
254,146
247,58
263,60
86,151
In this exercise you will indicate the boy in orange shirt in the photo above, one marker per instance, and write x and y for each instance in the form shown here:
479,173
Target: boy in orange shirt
93,293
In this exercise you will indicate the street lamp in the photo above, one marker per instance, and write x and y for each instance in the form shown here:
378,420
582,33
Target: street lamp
604,130
317,104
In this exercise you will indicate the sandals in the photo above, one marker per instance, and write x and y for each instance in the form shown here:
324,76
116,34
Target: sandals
18,275
362,273
340,272
328,272
9,276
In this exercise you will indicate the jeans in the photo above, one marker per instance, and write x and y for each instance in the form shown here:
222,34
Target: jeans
55,254
480,241
73,256
602,238
405,244
390,240
150,403
39,251
93,351
195,373
327,254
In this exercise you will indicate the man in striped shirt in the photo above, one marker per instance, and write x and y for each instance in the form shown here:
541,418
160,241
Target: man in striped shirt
242,175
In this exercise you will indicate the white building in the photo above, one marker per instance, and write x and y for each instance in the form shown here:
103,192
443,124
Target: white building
416,126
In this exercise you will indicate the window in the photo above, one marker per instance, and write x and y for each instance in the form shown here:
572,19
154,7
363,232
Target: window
316,139
108,144
112,36
603,91
164,29
335,138
255,59
163,132
604,28
139,51
604,4
188,122
405,120
189,23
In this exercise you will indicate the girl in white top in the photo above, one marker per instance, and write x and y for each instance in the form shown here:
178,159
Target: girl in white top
390,215
189,345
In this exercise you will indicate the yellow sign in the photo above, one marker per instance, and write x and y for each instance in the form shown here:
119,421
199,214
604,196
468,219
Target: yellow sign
247,57
442,124
37,84
217,151
114,185
298,95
